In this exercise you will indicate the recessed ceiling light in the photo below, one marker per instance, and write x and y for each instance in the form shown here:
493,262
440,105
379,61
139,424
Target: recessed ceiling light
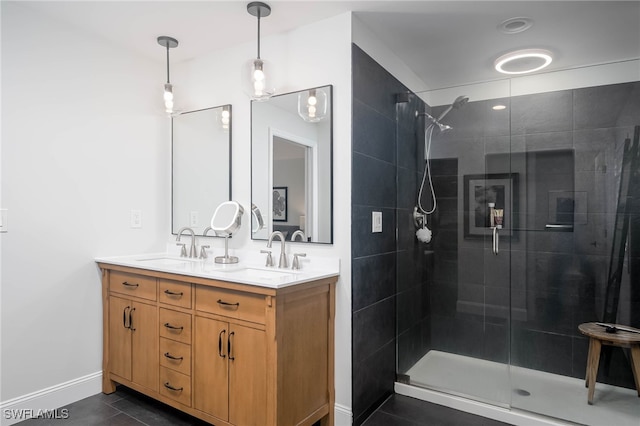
498,107
515,25
523,61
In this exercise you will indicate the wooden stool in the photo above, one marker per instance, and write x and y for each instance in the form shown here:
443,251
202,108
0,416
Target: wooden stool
598,337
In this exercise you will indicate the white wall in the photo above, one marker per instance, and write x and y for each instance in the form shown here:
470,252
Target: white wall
310,56
84,141
371,44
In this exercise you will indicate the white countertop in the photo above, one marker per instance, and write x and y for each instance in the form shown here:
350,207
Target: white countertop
245,272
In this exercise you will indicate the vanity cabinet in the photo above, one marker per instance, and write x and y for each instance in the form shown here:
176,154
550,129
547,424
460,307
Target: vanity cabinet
227,353
132,328
237,371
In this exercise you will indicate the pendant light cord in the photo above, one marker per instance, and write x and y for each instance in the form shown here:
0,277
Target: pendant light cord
258,33
168,80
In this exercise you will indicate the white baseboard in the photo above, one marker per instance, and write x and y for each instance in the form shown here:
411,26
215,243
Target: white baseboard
15,410
83,387
343,415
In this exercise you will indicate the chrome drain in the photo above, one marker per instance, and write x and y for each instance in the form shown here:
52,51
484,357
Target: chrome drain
522,392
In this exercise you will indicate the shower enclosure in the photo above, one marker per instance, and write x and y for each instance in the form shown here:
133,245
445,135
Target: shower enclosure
489,313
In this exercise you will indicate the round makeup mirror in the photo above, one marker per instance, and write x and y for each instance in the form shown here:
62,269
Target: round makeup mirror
225,221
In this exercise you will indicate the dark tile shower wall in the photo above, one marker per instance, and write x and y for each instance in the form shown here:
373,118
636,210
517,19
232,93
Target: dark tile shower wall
414,259
566,272
385,269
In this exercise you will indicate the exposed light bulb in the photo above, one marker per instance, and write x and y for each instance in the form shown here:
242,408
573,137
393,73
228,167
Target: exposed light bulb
168,98
258,78
312,105
258,88
225,114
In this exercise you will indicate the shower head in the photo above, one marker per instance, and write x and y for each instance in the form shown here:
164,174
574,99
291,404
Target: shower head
443,127
460,101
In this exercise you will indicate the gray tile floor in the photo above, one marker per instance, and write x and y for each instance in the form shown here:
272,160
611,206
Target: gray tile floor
401,410
124,407
128,408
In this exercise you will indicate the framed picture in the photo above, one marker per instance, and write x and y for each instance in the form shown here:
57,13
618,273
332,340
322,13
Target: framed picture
480,190
279,203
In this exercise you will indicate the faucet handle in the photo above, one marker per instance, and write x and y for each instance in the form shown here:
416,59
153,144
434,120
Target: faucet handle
203,251
183,249
296,262
269,257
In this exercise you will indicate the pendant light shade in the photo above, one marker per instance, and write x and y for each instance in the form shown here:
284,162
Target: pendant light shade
258,74
168,43
312,105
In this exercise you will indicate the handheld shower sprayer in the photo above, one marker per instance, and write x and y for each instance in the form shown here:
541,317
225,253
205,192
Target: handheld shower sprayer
419,213
460,101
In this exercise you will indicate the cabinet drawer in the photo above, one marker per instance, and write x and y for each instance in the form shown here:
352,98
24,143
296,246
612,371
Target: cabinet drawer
175,325
175,293
175,355
231,303
175,386
132,285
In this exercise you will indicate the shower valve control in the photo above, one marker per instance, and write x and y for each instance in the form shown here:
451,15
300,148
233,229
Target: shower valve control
376,222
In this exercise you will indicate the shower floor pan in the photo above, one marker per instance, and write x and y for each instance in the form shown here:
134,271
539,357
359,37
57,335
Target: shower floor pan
488,388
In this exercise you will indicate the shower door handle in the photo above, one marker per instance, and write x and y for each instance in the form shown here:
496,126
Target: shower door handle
496,241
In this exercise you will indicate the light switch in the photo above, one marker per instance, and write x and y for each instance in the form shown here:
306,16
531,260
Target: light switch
376,222
193,218
4,221
136,219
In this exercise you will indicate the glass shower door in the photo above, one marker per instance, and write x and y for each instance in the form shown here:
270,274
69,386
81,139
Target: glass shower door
464,345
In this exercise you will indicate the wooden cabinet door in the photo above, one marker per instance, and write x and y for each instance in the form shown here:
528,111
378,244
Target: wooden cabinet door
247,376
119,337
145,342
210,375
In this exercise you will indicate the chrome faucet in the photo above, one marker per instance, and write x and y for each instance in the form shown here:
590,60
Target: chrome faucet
283,255
192,248
203,248
300,234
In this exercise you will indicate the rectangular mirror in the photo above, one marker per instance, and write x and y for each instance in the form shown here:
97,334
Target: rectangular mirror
291,165
201,166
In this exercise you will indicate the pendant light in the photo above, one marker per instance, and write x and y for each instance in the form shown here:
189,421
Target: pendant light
168,42
312,105
258,82
225,117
